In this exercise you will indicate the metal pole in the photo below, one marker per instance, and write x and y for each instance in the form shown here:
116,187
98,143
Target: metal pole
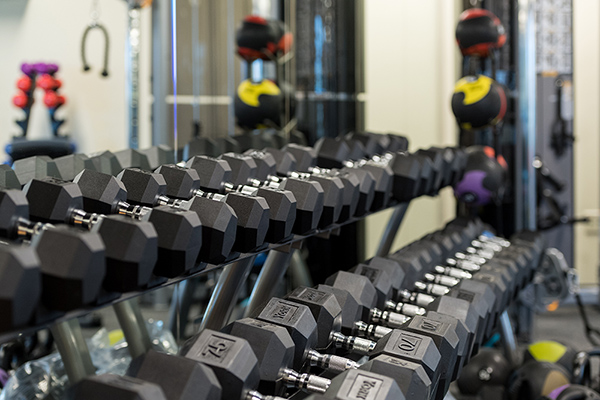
180,306
272,272
299,271
508,340
134,327
527,76
73,350
132,68
225,294
391,230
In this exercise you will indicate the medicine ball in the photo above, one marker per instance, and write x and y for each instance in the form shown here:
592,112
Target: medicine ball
573,392
256,39
479,32
535,379
488,368
551,351
257,103
478,102
483,179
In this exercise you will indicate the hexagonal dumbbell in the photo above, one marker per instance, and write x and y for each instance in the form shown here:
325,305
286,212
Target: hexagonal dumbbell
231,359
252,212
309,194
274,349
179,231
72,262
358,184
341,192
352,385
20,285
302,327
110,386
179,377
131,246
219,220
186,182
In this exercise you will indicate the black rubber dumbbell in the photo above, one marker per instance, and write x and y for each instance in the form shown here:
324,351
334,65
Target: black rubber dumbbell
308,194
219,220
20,285
445,334
369,187
358,185
302,327
339,153
179,231
361,384
34,167
231,359
72,261
274,349
131,246
109,386
328,314
179,377
357,297
335,195
213,175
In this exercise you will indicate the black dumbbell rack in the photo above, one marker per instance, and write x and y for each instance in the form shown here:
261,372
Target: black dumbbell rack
47,318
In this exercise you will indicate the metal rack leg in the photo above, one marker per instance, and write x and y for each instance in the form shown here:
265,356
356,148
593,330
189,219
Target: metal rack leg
73,350
276,264
134,327
391,230
299,271
509,342
181,303
226,293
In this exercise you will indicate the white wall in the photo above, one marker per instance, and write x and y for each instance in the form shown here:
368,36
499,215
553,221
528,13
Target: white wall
50,31
411,67
586,32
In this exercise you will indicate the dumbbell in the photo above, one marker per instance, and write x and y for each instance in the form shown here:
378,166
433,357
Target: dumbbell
496,280
302,327
274,348
309,194
106,161
328,313
362,384
296,316
219,220
109,386
131,246
349,152
377,167
180,378
377,278
8,178
358,186
20,285
334,194
432,363
179,232
252,212
357,298
72,262
425,292
29,168
185,182
231,359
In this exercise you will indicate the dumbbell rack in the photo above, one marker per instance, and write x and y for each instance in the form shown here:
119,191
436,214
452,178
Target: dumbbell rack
49,318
